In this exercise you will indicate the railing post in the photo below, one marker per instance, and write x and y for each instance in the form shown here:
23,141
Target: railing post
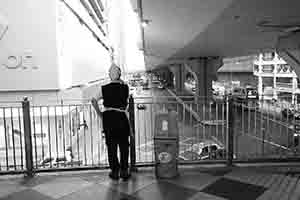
132,135
27,135
230,128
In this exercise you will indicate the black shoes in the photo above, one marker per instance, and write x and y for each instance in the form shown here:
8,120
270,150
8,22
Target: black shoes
125,175
113,176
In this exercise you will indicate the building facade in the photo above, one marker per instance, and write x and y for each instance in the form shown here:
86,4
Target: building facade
47,47
237,72
276,79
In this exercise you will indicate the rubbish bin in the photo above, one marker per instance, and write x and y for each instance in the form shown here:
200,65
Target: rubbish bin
166,146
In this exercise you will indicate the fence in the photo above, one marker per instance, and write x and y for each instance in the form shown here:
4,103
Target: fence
69,136
201,136
36,138
265,131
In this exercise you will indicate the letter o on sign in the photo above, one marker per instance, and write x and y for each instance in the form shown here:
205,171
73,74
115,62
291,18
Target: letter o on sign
13,62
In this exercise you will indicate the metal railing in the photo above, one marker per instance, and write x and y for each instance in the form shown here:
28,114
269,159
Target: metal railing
69,136
202,128
264,131
35,138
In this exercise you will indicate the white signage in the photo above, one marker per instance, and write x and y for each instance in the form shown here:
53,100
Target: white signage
24,61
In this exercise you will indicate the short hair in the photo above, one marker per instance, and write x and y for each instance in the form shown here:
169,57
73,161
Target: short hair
114,71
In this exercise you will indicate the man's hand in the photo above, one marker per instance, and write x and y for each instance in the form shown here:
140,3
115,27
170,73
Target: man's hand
96,107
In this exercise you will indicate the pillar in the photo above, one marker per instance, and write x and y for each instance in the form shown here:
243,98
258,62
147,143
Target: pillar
274,87
260,87
294,87
206,70
178,72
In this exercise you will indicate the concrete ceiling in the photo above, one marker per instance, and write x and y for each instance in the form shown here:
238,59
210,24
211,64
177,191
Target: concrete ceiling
193,28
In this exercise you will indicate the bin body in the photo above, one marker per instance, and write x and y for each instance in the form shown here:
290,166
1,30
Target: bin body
166,146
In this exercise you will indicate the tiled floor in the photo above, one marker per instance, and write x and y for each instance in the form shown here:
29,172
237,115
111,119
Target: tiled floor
192,184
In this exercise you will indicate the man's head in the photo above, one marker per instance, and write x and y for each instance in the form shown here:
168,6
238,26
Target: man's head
114,72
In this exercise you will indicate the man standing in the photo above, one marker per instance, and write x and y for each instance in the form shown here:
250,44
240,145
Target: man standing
115,122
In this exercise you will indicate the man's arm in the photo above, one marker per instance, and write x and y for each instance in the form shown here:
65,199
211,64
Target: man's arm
96,107
95,100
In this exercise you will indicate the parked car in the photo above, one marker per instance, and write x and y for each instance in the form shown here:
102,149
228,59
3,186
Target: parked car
291,113
141,106
188,155
245,93
60,160
206,149
160,86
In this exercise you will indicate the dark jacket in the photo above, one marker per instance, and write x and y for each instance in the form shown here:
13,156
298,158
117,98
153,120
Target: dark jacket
115,95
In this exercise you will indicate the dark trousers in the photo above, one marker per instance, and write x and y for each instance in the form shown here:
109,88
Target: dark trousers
113,143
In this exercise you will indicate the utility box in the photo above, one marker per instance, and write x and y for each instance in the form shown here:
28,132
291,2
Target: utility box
166,144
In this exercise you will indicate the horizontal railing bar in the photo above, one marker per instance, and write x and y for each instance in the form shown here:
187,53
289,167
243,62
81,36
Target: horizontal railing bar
71,169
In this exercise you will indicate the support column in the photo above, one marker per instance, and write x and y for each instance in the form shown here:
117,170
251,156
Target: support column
294,87
260,87
274,88
167,76
178,71
206,71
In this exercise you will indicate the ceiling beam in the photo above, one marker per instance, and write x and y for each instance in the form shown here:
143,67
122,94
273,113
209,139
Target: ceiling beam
90,11
97,10
86,25
100,5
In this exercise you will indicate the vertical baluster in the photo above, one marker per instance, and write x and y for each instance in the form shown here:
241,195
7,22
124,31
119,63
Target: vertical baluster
91,132
13,138
56,135
262,125
42,132
99,141
77,134
70,133
217,121
249,120
21,142
6,138
280,129
145,134
34,136
84,134
63,131
27,135
223,124
152,126
204,115
49,136
210,118
230,131
132,138
255,131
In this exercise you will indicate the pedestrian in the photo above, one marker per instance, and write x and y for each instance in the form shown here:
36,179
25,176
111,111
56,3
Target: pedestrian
116,125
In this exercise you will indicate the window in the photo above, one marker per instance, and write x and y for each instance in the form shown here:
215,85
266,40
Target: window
205,150
268,56
285,68
213,148
256,68
268,68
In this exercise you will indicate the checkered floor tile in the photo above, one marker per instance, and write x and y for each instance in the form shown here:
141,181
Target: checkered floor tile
234,190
